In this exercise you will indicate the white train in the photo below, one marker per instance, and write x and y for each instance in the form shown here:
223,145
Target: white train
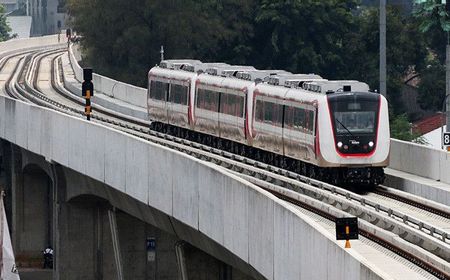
336,131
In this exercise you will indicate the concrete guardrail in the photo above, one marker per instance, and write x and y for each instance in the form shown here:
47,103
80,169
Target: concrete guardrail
420,160
273,237
128,93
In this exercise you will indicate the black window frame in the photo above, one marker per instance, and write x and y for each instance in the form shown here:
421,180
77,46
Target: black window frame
180,95
232,104
162,86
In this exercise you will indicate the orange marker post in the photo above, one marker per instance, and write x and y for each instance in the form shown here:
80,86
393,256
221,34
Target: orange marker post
347,229
87,109
347,242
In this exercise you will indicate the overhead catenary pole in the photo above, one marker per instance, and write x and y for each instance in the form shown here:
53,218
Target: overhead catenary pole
447,84
383,47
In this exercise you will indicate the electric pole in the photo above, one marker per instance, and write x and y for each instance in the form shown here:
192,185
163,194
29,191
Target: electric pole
383,47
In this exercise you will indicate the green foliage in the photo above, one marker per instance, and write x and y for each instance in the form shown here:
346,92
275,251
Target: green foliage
432,87
4,28
406,49
123,40
433,19
432,14
401,129
304,36
333,38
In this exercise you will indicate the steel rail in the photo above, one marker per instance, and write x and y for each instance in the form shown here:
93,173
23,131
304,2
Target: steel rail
194,148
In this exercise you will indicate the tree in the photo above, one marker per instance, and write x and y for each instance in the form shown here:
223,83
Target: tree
4,28
432,87
123,40
401,129
406,50
335,38
303,36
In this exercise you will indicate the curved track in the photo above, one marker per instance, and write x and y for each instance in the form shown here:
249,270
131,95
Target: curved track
36,77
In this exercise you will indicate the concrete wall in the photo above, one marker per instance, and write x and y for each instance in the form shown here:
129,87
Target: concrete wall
274,238
29,192
35,234
131,94
80,185
420,160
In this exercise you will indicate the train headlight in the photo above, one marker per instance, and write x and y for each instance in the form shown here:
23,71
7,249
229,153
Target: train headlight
371,144
339,144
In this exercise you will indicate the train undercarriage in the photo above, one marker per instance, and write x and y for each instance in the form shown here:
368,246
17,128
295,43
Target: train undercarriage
364,177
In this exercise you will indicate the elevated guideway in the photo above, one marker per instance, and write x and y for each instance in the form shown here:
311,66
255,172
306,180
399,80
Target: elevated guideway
199,202
414,168
196,201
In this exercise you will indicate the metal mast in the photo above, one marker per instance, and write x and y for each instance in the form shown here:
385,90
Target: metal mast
383,47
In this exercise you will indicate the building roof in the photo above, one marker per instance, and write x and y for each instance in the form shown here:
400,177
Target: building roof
429,124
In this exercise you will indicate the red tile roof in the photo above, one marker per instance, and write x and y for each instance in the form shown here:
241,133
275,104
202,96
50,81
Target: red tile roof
429,124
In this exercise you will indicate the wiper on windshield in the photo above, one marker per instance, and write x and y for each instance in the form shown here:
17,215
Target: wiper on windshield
344,127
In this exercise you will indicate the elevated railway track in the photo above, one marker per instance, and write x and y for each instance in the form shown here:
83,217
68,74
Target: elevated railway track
414,231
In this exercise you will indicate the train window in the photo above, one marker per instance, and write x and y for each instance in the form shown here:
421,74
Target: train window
299,119
259,111
310,121
158,90
269,112
288,116
207,99
277,113
232,104
178,94
354,115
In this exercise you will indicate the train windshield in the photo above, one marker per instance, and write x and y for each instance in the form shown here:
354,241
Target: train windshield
355,122
354,115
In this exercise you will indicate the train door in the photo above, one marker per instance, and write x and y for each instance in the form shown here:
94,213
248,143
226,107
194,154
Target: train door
294,136
268,124
157,101
232,115
177,105
309,129
207,110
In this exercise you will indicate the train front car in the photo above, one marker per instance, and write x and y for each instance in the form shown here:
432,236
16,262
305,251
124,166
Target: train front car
355,135
169,94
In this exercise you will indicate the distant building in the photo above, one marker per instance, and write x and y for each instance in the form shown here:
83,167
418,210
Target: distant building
49,16
20,26
10,5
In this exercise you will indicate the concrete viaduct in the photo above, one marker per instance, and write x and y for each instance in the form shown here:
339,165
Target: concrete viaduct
97,194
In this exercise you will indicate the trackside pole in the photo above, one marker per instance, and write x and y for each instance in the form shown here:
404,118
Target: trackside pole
383,47
87,90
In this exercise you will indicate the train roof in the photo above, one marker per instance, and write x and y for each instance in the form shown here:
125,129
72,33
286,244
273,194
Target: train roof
228,70
226,82
259,75
167,73
277,82
325,87
271,90
292,80
179,64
